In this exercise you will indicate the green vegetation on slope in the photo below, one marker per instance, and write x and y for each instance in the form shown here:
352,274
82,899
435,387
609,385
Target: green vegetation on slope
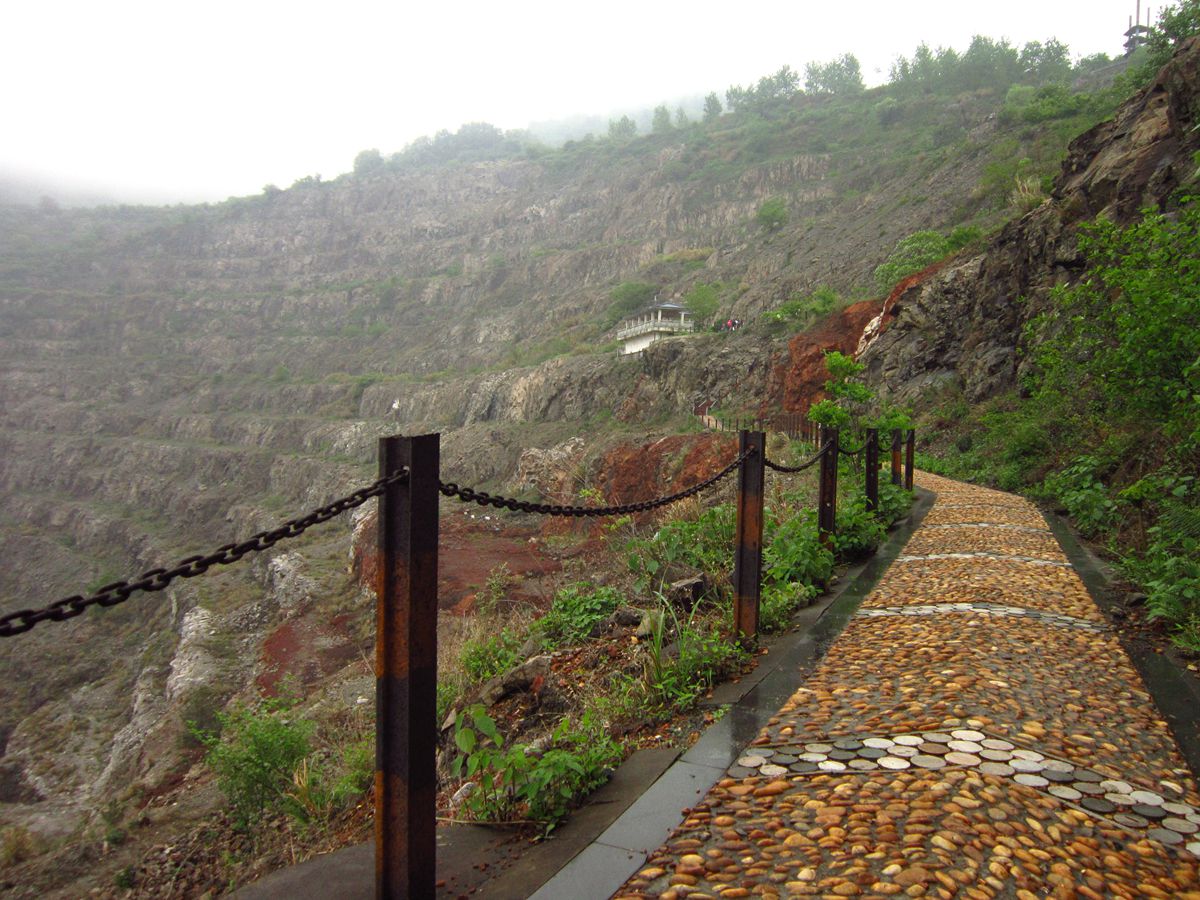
1108,426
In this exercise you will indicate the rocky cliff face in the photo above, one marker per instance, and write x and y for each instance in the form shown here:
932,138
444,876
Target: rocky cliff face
961,325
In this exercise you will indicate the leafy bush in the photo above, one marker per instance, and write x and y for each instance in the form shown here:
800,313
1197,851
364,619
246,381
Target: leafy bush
856,532
575,611
627,298
522,783
490,655
772,215
912,254
779,601
256,755
793,553
704,543
1083,495
798,311
894,502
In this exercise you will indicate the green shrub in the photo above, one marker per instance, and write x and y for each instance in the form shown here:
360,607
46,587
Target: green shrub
856,532
779,601
1083,495
772,215
705,543
792,552
575,611
486,657
912,254
256,755
520,783
894,501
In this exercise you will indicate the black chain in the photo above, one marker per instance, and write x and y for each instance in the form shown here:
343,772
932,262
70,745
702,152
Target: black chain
857,452
791,470
469,495
156,579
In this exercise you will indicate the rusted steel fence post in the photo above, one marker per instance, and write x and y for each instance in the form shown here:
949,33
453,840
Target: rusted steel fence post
827,497
872,464
747,562
406,671
910,444
897,478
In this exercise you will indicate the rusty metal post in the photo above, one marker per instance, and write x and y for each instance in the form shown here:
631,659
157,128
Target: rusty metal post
747,561
406,671
872,458
827,496
910,444
897,478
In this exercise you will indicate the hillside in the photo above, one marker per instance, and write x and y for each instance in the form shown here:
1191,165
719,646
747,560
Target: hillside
176,378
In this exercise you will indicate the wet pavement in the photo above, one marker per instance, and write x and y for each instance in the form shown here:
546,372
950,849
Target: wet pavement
976,731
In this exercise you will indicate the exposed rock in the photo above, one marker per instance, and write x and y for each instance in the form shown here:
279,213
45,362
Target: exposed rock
521,678
963,326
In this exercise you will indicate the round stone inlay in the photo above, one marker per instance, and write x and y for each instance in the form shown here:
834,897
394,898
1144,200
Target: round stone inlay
1183,826
1062,792
907,740
928,761
1131,821
894,762
966,734
995,768
878,743
963,759
1150,812
1030,780
1164,837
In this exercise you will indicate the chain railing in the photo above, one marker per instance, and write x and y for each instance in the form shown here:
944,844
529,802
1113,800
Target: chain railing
23,620
408,489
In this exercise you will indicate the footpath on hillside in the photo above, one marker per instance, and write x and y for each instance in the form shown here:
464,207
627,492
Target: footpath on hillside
976,731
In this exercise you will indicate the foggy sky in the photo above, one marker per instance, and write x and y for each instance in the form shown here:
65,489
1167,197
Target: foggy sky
167,102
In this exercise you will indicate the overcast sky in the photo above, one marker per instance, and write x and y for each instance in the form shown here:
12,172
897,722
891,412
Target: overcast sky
164,101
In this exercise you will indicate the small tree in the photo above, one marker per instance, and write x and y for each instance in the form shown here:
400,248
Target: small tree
839,76
622,129
661,123
368,161
703,300
772,215
712,107
846,407
912,254
681,118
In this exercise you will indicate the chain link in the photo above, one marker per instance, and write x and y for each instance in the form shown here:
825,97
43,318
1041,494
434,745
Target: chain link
791,470
23,620
156,579
469,495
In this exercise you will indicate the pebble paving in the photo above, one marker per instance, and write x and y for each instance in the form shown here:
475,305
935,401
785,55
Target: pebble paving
976,731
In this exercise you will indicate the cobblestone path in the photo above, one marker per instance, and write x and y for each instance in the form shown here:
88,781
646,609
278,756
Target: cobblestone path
976,731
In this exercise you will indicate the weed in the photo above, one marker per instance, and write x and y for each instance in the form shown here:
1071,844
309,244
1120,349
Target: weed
575,611
487,656
519,782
